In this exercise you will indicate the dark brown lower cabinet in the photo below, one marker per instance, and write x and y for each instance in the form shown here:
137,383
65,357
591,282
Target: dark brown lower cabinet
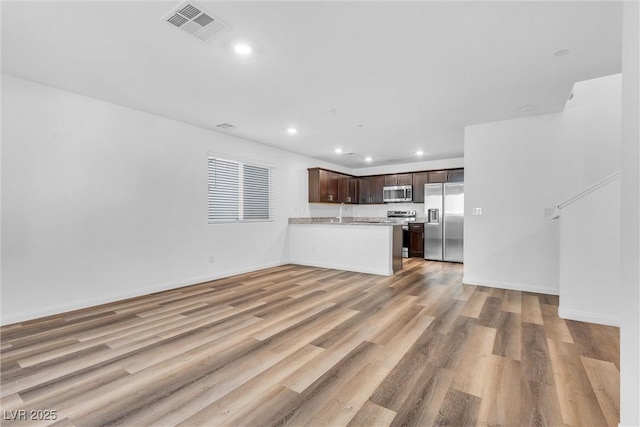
416,240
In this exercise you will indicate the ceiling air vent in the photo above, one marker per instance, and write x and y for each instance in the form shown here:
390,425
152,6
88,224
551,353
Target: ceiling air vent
192,19
225,126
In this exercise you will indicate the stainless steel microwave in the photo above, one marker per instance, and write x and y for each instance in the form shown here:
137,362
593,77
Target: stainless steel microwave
397,193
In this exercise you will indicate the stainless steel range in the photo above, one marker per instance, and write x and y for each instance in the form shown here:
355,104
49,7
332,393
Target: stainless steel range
406,217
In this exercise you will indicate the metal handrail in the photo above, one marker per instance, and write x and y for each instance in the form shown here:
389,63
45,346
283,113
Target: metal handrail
589,190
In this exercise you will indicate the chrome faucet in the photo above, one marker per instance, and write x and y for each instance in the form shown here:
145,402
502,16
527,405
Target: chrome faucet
340,217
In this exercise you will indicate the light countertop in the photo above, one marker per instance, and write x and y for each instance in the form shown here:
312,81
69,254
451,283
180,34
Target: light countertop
369,221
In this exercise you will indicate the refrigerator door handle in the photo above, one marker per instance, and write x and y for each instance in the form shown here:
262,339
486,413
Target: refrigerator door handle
444,240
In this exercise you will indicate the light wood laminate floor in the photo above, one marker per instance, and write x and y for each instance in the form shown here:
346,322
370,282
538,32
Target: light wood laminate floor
297,345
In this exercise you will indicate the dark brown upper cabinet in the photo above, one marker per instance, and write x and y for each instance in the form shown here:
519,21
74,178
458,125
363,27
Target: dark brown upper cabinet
370,189
419,180
377,184
437,176
347,189
455,175
323,186
327,186
364,190
398,179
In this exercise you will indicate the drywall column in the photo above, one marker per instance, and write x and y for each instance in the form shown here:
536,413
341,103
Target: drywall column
629,217
590,257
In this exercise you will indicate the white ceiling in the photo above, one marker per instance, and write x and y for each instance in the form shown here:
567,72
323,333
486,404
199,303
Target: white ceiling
413,73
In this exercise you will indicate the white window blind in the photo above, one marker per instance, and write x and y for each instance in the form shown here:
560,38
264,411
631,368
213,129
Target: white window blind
239,191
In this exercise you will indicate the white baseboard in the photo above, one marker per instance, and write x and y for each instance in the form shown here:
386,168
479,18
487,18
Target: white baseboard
377,271
580,316
526,287
583,316
91,302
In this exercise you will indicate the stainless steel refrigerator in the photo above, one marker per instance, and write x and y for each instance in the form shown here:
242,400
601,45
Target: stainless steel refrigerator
444,226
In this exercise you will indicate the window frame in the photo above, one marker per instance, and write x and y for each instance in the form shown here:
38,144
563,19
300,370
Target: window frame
242,162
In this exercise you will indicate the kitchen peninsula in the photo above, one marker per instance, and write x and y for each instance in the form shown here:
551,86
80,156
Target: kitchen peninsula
365,245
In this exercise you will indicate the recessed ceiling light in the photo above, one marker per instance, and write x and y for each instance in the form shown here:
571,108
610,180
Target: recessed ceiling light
367,159
243,49
338,150
332,110
527,108
419,152
292,131
562,52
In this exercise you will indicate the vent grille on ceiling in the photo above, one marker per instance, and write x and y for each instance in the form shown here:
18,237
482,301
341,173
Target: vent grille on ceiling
191,18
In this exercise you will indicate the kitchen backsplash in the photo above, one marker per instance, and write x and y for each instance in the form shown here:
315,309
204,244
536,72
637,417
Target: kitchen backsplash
318,210
381,210
325,210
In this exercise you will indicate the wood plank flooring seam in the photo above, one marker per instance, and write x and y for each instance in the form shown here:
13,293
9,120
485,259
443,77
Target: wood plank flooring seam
297,345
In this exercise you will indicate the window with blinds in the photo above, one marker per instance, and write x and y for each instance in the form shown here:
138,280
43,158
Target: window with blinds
239,191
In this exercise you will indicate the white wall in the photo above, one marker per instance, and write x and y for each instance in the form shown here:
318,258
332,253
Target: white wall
630,220
587,138
590,257
410,167
515,169
361,248
102,202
